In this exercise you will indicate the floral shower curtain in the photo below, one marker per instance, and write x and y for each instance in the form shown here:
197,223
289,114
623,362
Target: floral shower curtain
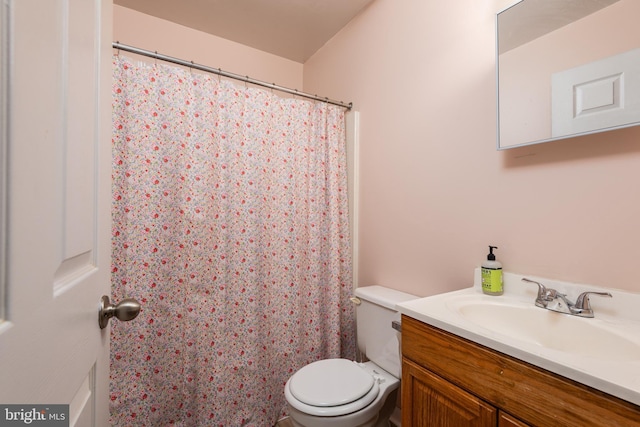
230,227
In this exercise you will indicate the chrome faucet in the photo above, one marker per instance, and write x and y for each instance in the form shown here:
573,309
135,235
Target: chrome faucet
553,300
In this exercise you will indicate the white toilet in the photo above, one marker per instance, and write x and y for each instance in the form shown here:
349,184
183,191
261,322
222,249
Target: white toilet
344,393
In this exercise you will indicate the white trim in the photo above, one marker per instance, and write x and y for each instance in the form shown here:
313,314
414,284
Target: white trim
353,176
5,9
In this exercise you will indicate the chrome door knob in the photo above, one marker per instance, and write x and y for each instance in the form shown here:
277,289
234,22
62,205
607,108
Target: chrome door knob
125,310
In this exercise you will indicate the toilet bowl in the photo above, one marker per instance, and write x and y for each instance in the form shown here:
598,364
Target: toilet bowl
340,393
344,393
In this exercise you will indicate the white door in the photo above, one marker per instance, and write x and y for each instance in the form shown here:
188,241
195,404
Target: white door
57,195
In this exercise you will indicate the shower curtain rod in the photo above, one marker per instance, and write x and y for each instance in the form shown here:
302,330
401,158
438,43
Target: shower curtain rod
218,71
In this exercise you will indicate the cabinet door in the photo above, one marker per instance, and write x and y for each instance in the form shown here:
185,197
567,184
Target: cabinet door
430,401
506,420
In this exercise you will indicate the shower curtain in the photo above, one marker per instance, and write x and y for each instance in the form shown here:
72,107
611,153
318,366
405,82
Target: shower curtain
230,226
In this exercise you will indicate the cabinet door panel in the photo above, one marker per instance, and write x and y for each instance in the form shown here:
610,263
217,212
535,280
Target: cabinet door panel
437,403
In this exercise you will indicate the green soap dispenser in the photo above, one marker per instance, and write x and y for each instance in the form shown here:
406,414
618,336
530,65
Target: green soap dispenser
492,274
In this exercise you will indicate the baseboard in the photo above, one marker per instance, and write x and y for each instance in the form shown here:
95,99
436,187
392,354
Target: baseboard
396,418
284,422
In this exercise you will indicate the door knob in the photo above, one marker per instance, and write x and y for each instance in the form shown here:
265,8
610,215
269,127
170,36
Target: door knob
125,310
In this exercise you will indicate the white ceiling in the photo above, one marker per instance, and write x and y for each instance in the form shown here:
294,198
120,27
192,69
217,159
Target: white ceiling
293,29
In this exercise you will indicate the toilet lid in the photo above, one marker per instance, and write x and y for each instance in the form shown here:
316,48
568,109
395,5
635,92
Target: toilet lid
331,382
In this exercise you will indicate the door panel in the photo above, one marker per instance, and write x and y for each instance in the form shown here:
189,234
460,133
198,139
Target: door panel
431,401
58,207
597,95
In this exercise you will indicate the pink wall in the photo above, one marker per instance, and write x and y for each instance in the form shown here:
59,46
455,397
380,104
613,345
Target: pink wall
147,32
434,190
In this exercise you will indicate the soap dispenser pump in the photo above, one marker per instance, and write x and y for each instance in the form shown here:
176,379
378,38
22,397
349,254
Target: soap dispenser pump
492,274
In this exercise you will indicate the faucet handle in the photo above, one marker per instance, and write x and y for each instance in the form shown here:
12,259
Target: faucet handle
544,295
584,305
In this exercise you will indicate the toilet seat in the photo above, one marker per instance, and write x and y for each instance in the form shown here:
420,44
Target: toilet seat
331,387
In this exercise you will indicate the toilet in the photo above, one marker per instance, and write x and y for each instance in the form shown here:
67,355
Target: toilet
344,393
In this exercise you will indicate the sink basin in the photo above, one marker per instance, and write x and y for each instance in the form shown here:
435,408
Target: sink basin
569,334
601,352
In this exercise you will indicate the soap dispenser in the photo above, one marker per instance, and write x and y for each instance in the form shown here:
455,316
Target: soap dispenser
492,274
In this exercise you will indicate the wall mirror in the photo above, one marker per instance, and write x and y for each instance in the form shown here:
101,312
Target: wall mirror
566,68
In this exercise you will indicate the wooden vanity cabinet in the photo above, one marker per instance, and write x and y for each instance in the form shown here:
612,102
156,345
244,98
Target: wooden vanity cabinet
451,381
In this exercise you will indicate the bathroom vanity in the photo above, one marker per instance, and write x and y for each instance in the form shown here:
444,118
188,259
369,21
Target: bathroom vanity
445,377
454,374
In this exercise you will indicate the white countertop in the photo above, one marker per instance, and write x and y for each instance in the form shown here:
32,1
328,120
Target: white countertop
588,362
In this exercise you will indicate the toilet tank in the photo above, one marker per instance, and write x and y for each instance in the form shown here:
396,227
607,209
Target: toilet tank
376,337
